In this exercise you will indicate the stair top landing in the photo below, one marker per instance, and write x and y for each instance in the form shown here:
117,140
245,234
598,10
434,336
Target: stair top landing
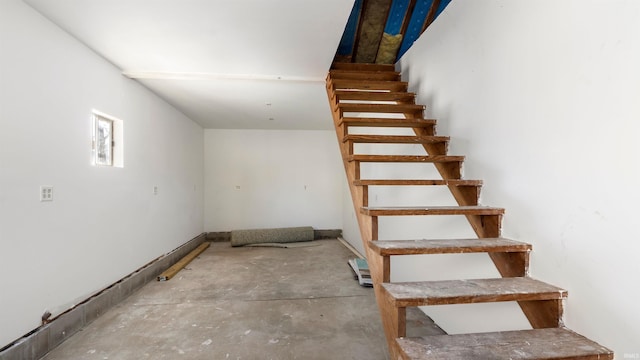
364,75
538,344
362,67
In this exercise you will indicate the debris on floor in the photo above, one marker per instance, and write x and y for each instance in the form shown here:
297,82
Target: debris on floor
361,271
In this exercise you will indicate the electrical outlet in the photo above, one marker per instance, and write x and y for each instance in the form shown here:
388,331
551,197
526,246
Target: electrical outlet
155,190
46,193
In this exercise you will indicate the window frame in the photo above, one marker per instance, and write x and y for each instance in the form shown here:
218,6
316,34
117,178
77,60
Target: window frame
107,141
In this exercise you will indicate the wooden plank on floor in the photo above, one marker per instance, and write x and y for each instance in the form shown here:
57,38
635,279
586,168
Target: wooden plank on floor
172,271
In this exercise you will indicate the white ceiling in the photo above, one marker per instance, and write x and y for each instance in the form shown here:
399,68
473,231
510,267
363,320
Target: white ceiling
233,64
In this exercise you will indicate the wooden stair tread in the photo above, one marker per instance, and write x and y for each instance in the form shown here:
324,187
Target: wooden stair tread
395,139
471,291
342,84
406,158
364,75
416,182
374,96
538,344
362,66
384,122
430,210
447,246
335,71
381,108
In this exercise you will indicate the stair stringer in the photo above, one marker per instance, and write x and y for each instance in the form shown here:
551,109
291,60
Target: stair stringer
393,319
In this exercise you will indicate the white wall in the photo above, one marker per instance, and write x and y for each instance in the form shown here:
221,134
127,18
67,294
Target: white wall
285,179
104,222
543,98
483,317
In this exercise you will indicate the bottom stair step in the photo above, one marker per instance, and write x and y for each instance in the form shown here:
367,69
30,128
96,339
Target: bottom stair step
547,344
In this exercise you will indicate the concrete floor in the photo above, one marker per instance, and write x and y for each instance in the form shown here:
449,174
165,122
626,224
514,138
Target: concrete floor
243,303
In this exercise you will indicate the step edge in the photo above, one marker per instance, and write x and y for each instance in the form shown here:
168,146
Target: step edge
437,182
552,294
369,81
405,93
491,246
406,158
365,71
432,210
374,119
381,122
391,139
598,350
372,136
410,106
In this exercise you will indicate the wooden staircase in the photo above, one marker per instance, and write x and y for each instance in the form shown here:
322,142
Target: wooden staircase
378,89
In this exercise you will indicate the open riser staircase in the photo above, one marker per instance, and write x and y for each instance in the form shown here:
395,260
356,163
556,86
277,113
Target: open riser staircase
378,89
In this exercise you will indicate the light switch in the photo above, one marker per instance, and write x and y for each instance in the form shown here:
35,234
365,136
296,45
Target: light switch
46,193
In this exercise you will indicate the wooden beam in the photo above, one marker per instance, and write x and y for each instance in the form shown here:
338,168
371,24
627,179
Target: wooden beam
431,15
368,226
407,17
172,271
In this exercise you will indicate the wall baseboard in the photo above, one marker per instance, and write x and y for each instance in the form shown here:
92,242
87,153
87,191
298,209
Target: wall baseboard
220,236
350,247
45,338
327,234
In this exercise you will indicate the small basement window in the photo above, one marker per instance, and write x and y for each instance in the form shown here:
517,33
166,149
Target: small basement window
107,141
104,141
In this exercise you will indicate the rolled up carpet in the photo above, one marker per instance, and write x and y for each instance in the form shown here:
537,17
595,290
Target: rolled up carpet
278,235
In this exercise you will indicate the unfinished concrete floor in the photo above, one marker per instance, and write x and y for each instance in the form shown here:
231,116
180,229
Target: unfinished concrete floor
243,303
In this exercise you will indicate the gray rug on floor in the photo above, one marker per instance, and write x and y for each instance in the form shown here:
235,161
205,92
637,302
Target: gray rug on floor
278,235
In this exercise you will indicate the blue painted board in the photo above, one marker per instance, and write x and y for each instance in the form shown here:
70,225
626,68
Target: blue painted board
443,4
349,35
396,16
420,13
